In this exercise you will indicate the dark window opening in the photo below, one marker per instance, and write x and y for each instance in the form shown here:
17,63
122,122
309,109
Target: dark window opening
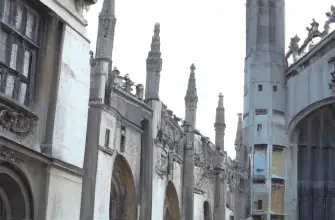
261,111
275,88
259,205
259,127
260,87
123,139
107,133
259,181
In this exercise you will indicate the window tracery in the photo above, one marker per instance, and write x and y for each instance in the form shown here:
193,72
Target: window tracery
18,49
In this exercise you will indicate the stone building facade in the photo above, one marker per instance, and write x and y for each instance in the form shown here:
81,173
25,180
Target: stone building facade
141,160
43,108
287,144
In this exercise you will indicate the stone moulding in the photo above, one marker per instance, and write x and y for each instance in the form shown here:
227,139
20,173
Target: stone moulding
9,155
14,121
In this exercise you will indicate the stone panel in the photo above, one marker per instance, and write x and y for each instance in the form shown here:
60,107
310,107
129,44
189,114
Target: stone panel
102,187
108,121
72,101
158,189
177,179
310,85
64,196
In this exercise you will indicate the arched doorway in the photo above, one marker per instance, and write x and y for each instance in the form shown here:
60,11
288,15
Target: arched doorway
123,202
316,162
207,211
15,196
171,203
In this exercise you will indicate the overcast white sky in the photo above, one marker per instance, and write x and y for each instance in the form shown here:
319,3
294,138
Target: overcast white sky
208,33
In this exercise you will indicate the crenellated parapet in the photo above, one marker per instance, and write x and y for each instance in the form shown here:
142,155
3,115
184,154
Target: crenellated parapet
297,51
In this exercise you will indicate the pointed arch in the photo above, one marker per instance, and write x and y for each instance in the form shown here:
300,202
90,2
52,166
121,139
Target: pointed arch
16,201
292,126
123,202
314,136
171,203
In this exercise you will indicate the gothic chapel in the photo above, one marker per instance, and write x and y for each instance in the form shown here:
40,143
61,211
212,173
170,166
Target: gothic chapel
141,160
81,141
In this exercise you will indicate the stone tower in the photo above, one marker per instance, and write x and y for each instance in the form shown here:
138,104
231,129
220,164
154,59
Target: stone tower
264,100
238,139
106,30
191,100
101,65
220,124
154,67
220,180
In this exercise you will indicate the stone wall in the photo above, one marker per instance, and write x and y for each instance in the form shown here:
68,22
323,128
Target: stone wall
72,100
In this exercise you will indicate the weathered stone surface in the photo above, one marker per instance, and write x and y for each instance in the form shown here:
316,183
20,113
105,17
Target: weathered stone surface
71,109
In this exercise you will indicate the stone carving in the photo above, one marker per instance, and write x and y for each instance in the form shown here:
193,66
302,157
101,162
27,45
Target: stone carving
331,19
139,91
14,121
332,81
7,154
84,5
199,160
128,83
162,163
91,54
313,31
199,181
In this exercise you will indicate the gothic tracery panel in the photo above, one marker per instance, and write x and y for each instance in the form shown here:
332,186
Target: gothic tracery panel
316,176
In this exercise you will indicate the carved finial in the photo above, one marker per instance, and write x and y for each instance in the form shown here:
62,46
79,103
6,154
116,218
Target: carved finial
220,115
331,15
192,67
331,19
108,8
139,91
157,29
238,139
155,42
116,71
128,84
220,103
191,88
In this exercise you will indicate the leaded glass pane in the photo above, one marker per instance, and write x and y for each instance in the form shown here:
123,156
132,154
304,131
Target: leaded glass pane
13,56
9,85
3,45
30,25
7,9
18,17
23,91
26,63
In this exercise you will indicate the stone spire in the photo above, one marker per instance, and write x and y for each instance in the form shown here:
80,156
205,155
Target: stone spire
238,139
220,124
191,99
106,30
154,67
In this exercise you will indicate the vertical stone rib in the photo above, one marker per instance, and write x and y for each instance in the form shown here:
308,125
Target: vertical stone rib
188,175
146,177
